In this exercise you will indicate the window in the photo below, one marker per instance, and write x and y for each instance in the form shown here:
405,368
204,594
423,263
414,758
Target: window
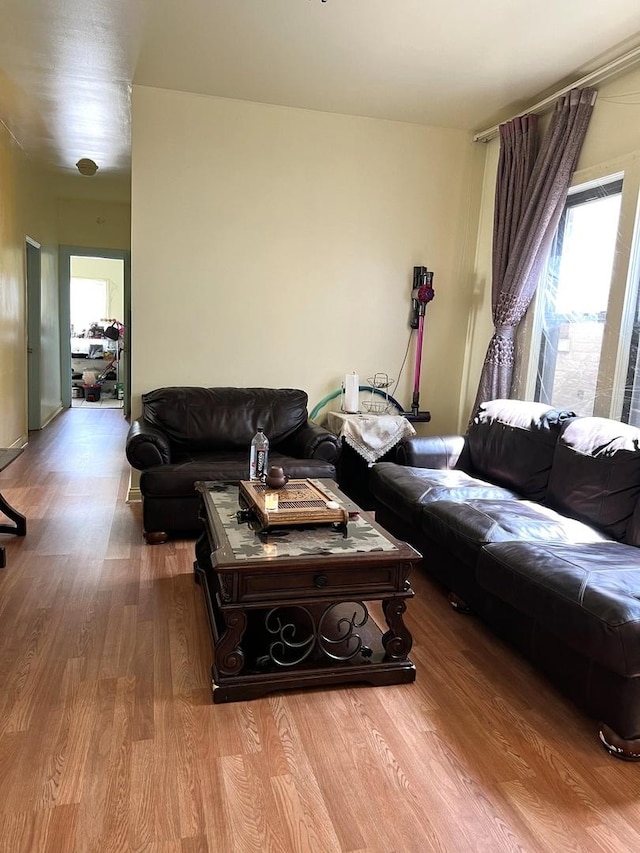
631,403
572,305
88,301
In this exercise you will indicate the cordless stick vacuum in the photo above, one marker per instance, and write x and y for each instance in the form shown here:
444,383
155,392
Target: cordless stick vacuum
421,295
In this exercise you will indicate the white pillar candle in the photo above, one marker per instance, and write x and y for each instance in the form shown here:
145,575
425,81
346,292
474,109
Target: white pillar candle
351,392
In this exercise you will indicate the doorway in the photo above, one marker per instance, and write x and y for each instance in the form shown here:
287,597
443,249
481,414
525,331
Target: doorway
95,310
34,302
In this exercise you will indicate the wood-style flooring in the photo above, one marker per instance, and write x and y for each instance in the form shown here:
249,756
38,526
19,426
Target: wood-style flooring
109,740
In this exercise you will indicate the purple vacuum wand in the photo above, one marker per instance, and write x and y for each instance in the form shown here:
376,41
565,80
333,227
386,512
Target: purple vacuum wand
421,294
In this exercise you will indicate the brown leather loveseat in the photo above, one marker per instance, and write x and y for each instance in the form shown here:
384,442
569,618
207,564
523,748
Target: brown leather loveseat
532,521
187,434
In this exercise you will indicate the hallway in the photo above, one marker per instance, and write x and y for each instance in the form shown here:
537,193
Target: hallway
70,483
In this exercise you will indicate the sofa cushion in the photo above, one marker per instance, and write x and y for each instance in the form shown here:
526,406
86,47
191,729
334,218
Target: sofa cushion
225,418
405,490
177,479
632,536
589,595
465,527
596,473
512,443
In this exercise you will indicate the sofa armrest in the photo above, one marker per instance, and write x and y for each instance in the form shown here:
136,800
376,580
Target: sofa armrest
146,445
437,451
312,442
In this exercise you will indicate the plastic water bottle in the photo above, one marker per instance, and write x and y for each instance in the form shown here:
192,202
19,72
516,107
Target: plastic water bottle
259,455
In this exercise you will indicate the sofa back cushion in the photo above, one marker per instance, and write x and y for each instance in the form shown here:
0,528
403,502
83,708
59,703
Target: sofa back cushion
632,536
512,443
596,473
225,418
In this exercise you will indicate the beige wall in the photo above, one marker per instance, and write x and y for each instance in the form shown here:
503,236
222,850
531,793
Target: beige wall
479,322
614,130
94,223
26,209
275,246
12,301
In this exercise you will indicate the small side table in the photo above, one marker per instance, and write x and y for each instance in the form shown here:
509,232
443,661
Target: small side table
366,439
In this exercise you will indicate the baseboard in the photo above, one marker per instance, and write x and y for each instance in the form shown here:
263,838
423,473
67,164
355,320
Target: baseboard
53,415
134,495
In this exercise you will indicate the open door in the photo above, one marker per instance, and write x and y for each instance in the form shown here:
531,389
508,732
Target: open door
80,264
34,307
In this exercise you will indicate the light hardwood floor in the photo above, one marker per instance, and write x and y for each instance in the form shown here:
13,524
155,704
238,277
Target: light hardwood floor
109,740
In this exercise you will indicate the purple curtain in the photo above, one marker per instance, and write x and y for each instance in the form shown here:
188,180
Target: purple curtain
531,191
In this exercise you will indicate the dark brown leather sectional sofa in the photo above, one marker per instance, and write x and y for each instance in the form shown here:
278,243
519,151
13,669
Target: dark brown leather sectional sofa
187,434
532,521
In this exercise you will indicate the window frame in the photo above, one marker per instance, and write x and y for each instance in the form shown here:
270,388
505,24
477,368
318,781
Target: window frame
593,191
612,381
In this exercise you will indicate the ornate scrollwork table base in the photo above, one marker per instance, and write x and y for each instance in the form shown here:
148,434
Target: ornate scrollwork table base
283,617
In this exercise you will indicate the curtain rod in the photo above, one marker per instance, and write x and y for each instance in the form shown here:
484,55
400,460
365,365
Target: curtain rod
603,73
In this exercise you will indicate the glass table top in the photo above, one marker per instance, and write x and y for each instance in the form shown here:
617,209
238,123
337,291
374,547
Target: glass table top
247,544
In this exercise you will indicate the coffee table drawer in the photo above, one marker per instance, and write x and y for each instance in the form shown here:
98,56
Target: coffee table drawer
352,580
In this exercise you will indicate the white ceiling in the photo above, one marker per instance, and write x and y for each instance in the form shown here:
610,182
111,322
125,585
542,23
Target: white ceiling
66,66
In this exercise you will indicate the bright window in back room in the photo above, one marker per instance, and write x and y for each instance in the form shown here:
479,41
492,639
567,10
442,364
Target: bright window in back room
88,303
572,304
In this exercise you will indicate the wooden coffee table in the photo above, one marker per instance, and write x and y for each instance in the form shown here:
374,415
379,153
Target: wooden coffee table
287,608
